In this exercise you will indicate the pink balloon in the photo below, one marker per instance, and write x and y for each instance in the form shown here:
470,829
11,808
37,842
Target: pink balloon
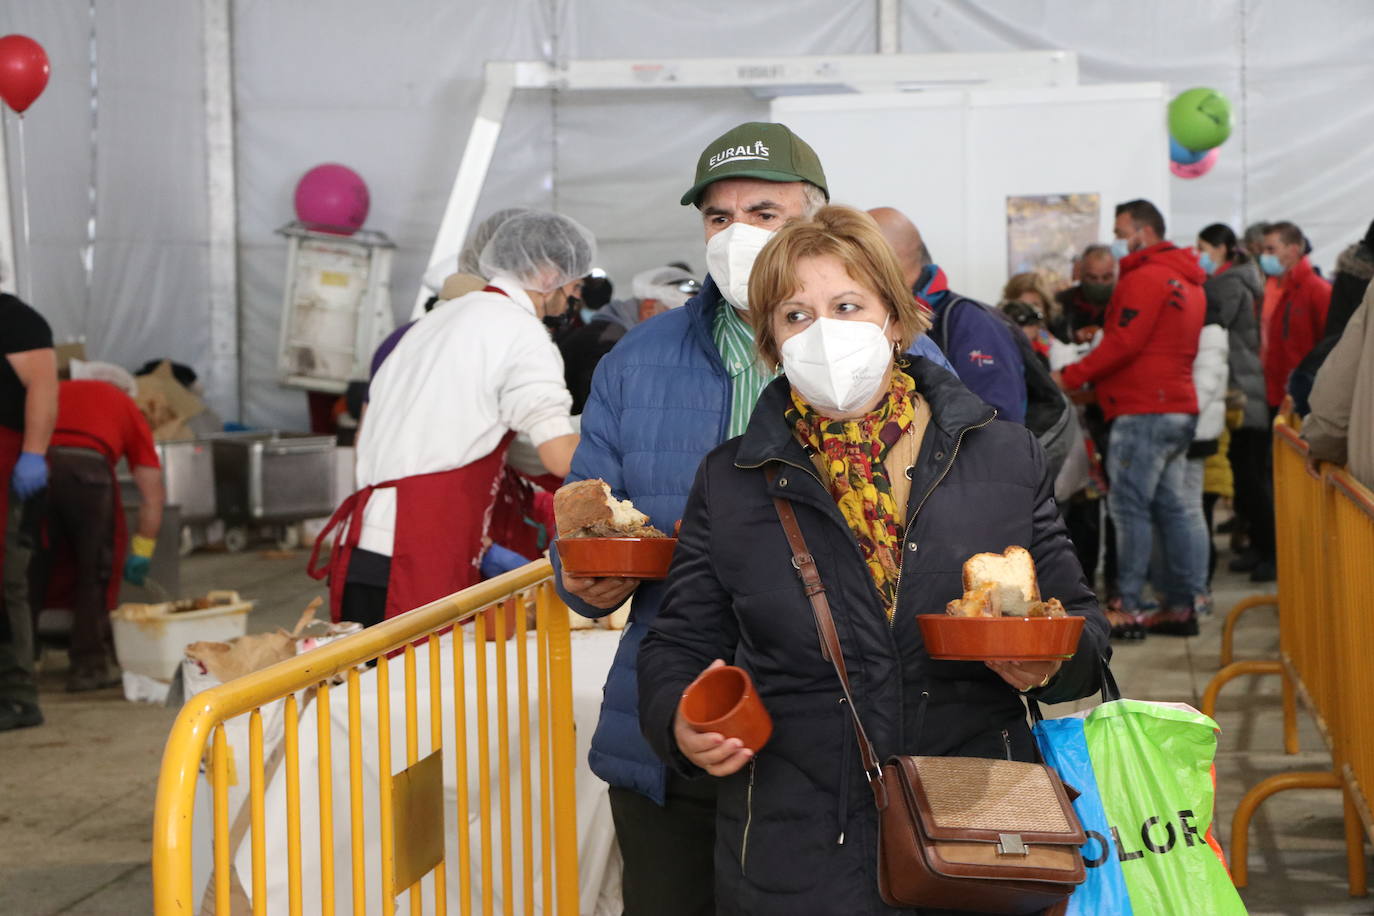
332,198
1199,168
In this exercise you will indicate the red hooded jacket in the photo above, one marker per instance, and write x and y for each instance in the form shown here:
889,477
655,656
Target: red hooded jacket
1294,325
1150,336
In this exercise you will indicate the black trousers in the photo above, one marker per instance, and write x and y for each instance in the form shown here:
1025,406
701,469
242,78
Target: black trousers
365,586
1209,505
1083,518
668,852
1252,467
81,519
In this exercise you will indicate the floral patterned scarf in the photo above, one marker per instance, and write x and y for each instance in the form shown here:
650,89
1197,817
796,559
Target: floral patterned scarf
854,452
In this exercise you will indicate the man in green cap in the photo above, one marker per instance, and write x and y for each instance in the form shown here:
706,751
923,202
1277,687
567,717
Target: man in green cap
674,388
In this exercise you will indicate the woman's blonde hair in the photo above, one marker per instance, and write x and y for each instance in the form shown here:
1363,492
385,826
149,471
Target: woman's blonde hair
1032,281
851,237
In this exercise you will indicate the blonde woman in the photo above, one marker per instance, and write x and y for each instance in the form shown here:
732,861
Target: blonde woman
897,474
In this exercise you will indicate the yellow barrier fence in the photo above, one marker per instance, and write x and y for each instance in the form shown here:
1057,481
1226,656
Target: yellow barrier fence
367,811
1325,539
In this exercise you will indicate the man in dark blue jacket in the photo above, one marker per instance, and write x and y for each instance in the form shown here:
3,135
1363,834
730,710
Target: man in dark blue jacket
673,389
977,342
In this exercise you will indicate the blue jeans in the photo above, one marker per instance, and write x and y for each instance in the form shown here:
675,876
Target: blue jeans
1147,467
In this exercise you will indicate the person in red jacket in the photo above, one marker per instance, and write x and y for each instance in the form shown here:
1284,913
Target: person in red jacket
1296,302
1143,373
97,425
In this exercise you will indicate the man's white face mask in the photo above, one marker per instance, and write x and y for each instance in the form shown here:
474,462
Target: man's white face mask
837,365
730,256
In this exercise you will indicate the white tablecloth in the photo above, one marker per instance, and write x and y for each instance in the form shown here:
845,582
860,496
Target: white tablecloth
599,858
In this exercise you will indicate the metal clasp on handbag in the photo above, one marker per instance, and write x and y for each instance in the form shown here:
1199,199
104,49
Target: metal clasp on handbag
1010,845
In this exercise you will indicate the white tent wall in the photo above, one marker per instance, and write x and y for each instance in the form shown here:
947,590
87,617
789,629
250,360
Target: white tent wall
391,89
624,158
139,291
57,140
388,89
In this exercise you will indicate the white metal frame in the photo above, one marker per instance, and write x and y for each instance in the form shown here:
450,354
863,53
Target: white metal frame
887,72
374,319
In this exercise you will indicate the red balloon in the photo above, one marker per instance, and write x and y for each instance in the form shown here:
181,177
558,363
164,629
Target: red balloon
23,71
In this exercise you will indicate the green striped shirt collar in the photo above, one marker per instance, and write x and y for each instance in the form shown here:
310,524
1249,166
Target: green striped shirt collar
748,377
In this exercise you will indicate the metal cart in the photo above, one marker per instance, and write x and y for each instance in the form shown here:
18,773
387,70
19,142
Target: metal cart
268,481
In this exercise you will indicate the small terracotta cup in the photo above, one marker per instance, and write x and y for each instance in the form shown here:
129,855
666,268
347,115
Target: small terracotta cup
723,700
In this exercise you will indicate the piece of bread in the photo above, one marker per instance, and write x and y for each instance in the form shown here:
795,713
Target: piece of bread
1012,575
586,509
977,603
1051,608
1002,585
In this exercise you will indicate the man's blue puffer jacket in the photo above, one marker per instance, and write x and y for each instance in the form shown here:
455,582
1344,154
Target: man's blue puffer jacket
660,402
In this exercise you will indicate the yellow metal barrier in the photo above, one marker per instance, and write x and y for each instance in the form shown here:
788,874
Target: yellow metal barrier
409,791
1351,541
1325,528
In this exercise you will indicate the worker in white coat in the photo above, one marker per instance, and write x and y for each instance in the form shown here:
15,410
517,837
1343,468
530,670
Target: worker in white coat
444,407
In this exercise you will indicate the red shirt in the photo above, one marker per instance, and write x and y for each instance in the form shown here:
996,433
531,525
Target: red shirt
99,416
1294,323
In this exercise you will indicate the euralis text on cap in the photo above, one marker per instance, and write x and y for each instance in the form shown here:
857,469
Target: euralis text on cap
736,153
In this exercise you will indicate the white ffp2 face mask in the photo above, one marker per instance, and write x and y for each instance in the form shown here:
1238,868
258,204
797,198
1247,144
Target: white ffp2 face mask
730,256
837,365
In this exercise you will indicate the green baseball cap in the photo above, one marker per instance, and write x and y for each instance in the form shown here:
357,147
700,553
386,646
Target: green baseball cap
770,152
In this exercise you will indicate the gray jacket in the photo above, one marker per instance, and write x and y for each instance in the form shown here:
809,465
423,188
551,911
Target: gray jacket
1231,302
1340,428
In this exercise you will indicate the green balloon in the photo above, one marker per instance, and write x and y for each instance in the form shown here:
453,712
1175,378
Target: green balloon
1200,119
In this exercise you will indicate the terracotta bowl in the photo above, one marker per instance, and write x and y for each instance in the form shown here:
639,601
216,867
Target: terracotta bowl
723,700
632,558
1000,639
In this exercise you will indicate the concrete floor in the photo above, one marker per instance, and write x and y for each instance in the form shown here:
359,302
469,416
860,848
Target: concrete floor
76,795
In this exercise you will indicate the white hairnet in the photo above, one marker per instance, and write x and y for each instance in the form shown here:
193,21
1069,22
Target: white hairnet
478,238
672,286
118,376
539,250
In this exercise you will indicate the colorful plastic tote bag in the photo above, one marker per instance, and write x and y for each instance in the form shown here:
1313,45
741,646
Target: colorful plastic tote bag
1144,771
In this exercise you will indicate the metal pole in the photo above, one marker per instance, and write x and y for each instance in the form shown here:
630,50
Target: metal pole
889,26
8,269
472,169
224,384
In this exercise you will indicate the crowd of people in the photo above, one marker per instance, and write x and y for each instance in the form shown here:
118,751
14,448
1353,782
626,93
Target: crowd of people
827,359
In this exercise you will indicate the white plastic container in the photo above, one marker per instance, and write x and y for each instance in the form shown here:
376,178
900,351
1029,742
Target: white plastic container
151,639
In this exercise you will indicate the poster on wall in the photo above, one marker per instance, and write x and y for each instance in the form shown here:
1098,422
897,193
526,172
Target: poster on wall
1046,232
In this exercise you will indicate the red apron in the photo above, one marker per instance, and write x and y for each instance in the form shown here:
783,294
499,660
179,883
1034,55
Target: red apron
442,520
11,444
522,518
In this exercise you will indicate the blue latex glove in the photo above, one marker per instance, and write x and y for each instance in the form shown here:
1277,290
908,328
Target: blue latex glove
30,474
498,560
136,569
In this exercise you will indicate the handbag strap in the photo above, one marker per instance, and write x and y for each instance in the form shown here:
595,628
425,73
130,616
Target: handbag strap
810,576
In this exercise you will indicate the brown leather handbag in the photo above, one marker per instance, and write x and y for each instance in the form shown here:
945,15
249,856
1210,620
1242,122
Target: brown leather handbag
957,833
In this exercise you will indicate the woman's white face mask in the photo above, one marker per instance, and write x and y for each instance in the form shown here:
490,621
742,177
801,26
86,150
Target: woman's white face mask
730,256
838,365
